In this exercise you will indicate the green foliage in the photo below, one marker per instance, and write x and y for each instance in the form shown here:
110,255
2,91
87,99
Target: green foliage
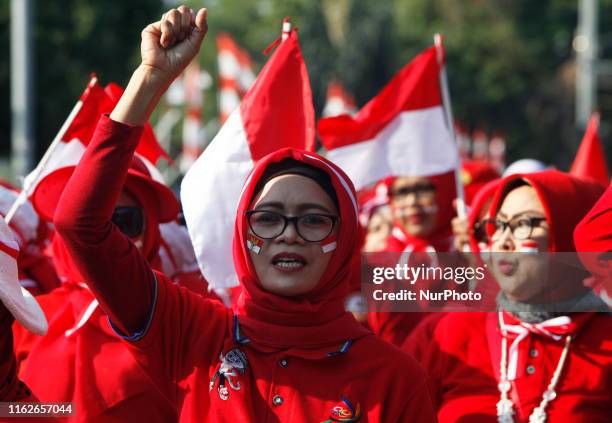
510,62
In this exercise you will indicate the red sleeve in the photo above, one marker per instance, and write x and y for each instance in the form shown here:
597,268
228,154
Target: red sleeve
186,332
112,266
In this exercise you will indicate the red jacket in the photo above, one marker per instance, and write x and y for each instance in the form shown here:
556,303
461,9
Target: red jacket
185,335
462,356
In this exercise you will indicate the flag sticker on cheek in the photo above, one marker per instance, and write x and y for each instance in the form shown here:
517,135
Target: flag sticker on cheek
528,246
254,243
329,244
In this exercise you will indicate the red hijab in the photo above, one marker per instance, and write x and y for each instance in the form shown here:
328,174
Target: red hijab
566,200
480,200
312,321
440,239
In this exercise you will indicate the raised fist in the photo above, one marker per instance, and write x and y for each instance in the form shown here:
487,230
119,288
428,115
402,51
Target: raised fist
170,44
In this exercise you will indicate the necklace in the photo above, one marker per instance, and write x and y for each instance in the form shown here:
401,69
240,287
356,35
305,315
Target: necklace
505,409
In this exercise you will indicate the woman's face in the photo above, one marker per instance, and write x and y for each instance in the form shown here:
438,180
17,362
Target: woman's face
414,204
522,276
379,228
288,265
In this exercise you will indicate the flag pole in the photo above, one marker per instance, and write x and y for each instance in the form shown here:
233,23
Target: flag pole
461,206
30,181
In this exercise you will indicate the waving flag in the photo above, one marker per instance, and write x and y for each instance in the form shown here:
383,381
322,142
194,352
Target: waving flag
590,161
339,101
235,74
276,112
401,131
69,144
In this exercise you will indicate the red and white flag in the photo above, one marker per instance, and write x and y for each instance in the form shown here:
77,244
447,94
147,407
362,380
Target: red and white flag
339,101
235,74
193,142
94,102
590,160
275,113
401,131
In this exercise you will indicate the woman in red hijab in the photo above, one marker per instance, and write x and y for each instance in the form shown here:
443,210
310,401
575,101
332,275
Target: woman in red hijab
422,209
92,367
540,359
288,351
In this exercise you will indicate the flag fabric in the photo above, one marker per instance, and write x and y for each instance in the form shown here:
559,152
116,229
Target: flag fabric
401,131
267,119
235,74
193,142
339,101
94,102
590,160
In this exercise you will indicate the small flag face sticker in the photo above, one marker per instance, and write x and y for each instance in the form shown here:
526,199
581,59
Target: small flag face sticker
328,245
528,246
254,244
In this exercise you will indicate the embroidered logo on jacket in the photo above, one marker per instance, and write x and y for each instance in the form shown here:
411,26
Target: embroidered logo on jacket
344,411
233,364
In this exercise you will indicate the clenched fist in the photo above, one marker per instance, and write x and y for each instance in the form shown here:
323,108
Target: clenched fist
170,44
167,47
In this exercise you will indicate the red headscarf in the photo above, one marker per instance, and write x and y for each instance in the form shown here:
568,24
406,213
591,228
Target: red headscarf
593,236
566,200
440,239
316,319
484,195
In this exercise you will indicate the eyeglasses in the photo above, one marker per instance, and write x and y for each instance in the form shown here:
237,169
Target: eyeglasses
312,227
420,191
520,227
479,230
129,220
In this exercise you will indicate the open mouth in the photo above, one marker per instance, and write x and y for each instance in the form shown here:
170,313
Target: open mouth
507,268
288,262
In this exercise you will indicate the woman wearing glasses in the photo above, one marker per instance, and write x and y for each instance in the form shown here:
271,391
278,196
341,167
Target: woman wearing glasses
422,209
288,351
81,360
546,355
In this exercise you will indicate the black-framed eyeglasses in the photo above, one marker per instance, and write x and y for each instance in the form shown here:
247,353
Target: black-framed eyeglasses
520,227
479,230
129,220
425,191
312,227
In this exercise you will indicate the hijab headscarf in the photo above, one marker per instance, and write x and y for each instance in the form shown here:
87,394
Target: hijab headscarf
566,200
317,319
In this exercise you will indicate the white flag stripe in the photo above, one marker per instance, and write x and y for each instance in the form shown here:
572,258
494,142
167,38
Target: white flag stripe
415,143
66,154
206,189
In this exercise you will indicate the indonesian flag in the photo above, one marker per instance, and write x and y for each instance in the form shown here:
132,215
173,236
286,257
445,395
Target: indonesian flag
235,74
339,101
401,131
94,102
277,112
590,161
193,141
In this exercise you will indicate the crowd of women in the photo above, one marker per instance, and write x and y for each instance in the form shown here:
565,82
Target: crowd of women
124,327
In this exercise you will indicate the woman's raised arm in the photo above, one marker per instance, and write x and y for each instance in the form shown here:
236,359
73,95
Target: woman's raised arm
107,260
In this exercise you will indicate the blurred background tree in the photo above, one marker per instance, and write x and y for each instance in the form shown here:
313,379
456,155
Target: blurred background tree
511,63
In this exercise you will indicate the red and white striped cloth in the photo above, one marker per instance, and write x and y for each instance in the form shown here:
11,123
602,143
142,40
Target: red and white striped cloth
268,119
401,131
339,101
235,74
